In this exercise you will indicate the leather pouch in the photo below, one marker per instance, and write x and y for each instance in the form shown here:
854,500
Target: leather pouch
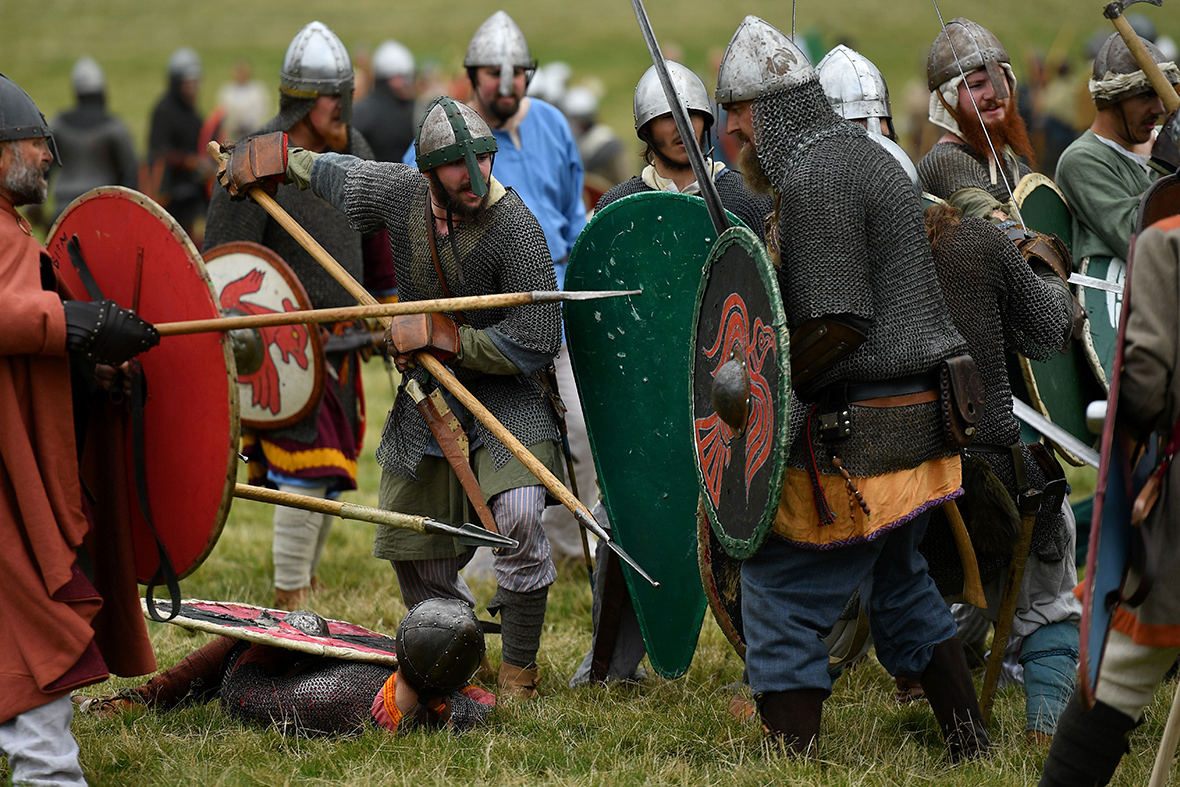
961,395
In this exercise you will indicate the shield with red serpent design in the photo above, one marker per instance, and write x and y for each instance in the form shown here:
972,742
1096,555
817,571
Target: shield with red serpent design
141,259
281,367
265,626
741,385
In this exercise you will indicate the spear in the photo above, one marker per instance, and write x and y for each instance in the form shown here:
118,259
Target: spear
468,534
344,313
442,374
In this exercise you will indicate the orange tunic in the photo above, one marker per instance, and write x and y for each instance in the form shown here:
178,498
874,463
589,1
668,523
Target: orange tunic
46,604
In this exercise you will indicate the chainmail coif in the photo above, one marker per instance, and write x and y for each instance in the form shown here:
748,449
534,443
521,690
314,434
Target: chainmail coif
736,198
853,242
998,303
950,166
505,251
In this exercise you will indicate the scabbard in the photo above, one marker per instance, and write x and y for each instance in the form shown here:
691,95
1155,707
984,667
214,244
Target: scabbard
452,440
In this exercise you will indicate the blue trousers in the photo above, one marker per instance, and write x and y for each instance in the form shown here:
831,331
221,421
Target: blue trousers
791,598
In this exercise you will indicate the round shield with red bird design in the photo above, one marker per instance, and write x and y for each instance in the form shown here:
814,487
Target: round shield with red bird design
280,368
741,385
183,466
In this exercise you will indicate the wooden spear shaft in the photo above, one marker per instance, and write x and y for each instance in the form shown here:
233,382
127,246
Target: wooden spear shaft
375,309
1145,61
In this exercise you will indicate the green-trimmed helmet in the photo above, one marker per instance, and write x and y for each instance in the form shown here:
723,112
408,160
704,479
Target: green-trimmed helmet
450,131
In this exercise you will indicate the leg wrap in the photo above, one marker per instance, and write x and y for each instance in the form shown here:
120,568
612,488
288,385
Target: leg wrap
1050,659
195,679
522,616
40,748
1087,746
792,717
947,681
296,535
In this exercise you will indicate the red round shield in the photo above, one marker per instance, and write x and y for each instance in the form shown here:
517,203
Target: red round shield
285,378
141,259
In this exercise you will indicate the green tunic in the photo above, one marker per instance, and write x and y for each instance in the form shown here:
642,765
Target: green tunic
1103,189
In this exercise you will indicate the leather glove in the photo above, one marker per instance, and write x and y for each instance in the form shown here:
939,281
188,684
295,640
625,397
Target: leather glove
256,161
1166,151
408,333
105,333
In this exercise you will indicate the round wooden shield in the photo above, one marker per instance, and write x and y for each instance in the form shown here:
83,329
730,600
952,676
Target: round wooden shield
1160,201
1062,387
141,259
281,370
741,385
629,358
265,626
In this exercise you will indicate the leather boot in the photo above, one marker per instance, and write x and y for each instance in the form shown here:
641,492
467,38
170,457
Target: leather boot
1087,746
485,674
951,693
292,600
791,718
518,682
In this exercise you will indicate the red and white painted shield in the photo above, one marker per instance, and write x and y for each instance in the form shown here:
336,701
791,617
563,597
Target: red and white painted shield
280,368
141,259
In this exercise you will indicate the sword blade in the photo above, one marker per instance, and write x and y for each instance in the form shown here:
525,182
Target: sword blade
1095,284
1044,426
588,522
683,124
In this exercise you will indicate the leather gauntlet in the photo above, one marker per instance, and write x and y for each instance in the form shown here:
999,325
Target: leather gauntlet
256,161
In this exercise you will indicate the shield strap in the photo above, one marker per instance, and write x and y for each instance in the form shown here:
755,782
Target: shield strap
453,442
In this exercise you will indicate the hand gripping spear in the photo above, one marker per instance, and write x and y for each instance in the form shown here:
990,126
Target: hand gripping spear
443,375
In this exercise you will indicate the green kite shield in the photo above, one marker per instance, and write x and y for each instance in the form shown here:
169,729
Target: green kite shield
1062,387
741,386
630,357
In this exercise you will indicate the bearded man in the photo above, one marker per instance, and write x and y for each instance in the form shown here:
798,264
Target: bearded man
861,267
318,455
454,231
974,92
1105,171
69,606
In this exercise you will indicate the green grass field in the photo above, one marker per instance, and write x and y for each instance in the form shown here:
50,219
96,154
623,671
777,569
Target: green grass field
660,732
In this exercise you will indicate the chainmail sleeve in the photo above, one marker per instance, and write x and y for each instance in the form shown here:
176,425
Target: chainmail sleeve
737,198
313,696
625,189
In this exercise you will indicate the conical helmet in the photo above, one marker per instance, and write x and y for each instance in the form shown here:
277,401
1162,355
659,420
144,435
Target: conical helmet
500,42
759,60
317,64
1114,64
87,77
650,101
974,47
450,131
854,87
393,59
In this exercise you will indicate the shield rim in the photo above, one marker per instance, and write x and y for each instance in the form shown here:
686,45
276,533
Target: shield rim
314,341
174,228
1087,336
740,549
328,651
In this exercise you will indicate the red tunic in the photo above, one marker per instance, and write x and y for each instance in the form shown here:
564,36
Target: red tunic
47,605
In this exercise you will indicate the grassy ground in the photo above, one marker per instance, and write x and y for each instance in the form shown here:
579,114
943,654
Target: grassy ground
673,732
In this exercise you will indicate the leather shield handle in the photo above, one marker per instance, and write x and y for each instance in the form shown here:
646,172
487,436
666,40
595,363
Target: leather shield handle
972,584
1143,58
1029,503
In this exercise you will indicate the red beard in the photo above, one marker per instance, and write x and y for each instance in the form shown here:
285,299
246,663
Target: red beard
1010,131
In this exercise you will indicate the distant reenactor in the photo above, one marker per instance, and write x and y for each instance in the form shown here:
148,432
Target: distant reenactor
386,116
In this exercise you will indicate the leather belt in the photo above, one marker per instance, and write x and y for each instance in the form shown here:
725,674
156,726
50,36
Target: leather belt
890,393
898,401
